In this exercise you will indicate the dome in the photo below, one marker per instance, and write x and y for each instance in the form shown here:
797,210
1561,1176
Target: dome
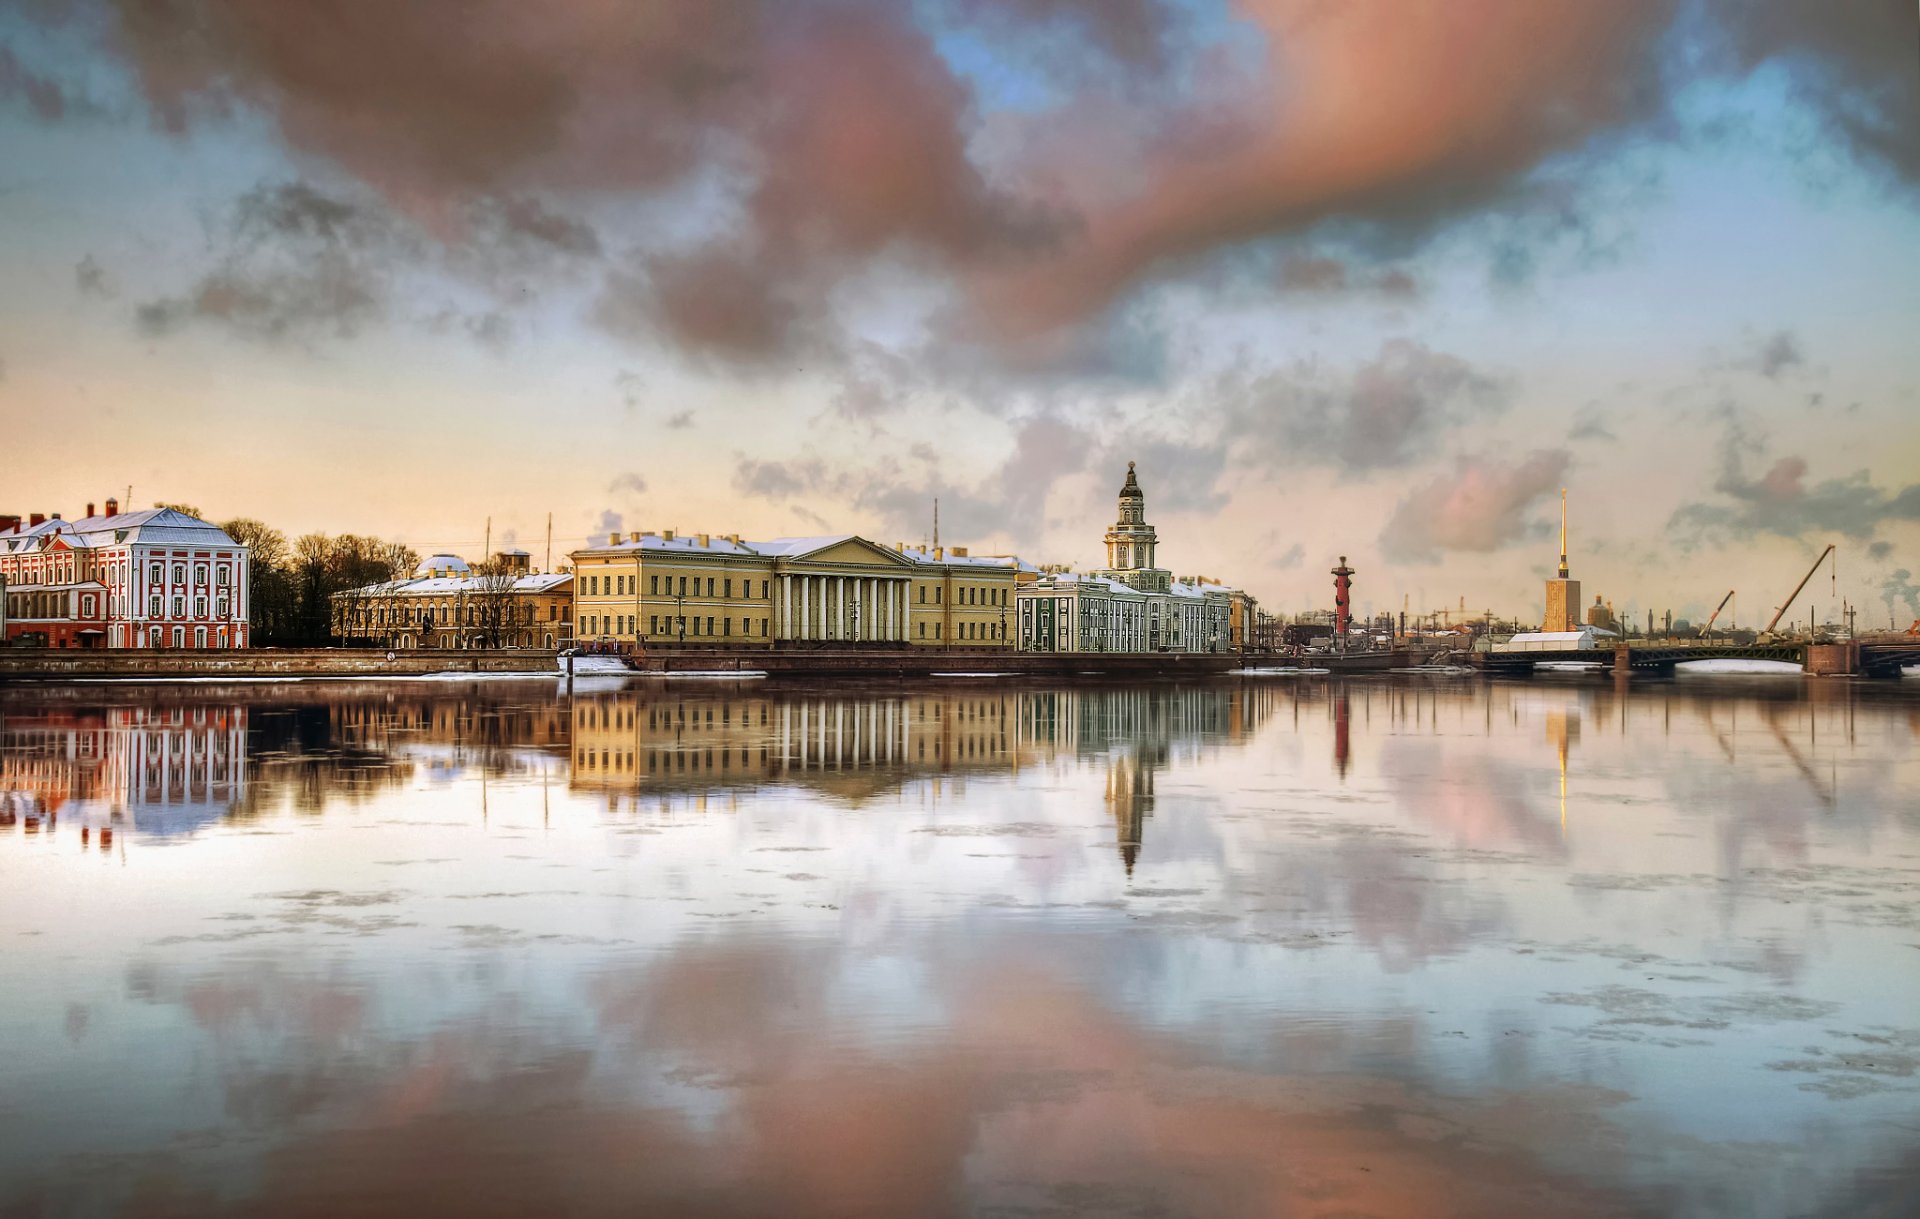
1131,488
442,562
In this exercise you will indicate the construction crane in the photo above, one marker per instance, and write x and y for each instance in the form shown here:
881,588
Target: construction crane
1782,611
1716,613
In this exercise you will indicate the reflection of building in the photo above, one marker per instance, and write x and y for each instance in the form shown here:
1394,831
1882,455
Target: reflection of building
151,579
161,770
628,742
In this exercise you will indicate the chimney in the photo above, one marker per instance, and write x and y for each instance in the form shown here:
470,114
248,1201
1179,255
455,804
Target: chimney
666,535
613,539
959,552
9,523
734,538
89,507
939,552
53,516
113,507
36,519
703,539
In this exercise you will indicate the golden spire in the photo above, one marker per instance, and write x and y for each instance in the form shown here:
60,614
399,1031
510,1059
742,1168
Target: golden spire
1563,533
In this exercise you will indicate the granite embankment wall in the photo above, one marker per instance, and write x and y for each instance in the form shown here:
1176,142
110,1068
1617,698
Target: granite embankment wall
40,664
918,662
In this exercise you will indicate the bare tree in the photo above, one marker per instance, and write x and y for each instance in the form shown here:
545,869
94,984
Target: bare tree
494,602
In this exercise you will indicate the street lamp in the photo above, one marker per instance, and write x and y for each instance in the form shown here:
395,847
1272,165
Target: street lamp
680,614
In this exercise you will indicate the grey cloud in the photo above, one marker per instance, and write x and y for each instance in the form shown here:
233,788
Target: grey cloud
296,261
1324,275
1780,502
48,99
1294,556
1386,413
1899,589
1775,354
610,522
1480,505
90,278
1590,423
1880,550
679,421
629,481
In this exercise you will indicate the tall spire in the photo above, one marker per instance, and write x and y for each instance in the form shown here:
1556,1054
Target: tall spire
1563,533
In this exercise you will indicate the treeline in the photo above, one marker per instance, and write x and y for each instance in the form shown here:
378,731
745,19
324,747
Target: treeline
291,585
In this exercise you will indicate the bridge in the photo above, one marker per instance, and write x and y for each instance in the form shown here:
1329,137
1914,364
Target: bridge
1660,656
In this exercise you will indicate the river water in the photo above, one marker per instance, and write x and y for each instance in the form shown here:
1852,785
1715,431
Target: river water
1393,947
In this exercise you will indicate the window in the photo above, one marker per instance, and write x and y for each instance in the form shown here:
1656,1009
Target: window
683,586
923,630
709,621
155,574
936,630
709,586
729,588
86,607
766,590
653,624
653,585
199,607
221,575
199,573
763,628
937,594
726,626
923,594
179,606
179,573
696,626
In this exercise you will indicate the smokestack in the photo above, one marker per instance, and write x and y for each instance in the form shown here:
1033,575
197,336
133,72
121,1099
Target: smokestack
36,519
89,507
113,507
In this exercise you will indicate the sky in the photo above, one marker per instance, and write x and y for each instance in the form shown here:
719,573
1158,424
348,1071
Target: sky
1370,279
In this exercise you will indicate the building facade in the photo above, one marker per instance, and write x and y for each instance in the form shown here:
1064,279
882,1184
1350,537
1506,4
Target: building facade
664,589
446,603
1065,612
156,578
963,600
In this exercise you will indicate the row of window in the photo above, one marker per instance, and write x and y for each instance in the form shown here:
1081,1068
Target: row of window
716,586
156,574
968,594
670,625
155,603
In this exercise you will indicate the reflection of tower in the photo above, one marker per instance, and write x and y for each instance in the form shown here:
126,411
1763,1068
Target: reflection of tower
1130,795
1561,729
1342,598
1340,718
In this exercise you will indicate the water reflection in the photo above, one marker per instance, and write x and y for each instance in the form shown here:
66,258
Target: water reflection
1366,947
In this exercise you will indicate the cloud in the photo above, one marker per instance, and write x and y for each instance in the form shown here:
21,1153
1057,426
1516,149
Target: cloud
679,421
1386,413
1481,505
1322,275
1294,556
1779,501
1590,423
90,278
1899,589
629,481
295,261
814,142
610,522
1774,355
1880,550
46,98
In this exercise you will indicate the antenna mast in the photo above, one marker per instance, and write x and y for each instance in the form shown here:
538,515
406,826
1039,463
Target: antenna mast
549,563
936,522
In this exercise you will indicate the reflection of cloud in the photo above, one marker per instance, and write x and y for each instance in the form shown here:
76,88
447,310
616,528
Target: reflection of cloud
744,1098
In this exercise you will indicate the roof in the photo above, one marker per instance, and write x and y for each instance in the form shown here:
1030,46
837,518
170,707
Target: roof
441,561
153,526
438,586
925,555
1054,581
1556,636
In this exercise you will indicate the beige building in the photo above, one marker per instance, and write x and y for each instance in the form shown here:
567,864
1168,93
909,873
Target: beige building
447,603
651,589
964,600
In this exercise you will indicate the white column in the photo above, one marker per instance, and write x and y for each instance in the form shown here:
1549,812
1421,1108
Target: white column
857,614
837,589
805,611
786,607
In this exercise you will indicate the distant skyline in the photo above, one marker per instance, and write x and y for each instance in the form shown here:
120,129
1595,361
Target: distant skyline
1372,279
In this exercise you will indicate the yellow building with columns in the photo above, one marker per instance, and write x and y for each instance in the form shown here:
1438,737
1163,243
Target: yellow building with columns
963,600
661,589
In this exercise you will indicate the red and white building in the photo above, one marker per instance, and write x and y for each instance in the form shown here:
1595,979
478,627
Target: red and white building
151,579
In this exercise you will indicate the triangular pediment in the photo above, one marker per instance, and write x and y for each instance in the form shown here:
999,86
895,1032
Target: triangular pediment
851,550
